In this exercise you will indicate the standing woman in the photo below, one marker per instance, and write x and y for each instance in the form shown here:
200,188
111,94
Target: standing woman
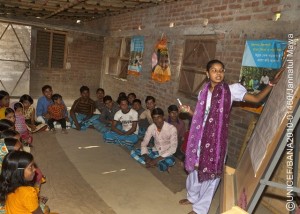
207,143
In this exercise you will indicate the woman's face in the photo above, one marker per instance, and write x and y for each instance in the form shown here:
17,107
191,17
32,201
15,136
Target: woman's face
216,73
11,116
5,101
29,172
26,104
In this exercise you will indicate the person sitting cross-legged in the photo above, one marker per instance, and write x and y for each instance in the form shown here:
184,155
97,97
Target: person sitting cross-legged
165,144
127,134
107,115
81,113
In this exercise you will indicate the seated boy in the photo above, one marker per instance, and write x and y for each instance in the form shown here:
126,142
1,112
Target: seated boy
165,144
82,111
143,123
127,135
180,126
150,104
107,115
99,103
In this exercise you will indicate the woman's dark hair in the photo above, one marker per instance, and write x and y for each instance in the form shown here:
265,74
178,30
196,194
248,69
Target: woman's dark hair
157,111
18,105
150,98
56,97
214,61
84,88
26,97
12,174
172,108
10,143
9,133
106,98
45,87
6,124
8,111
3,94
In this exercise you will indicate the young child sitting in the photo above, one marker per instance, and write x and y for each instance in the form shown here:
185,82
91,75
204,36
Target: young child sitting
21,126
17,190
29,113
165,144
8,113
56,113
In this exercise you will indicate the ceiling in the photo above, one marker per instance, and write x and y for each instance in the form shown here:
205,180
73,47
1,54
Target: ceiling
71,10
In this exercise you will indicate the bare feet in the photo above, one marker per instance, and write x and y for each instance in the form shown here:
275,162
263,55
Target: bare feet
184,202
53,130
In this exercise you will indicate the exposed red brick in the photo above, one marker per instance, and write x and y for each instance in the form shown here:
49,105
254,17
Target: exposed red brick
251,4
235,6
269,2
239,18
219,8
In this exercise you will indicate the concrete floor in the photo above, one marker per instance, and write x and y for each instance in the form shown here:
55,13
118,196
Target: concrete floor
86,175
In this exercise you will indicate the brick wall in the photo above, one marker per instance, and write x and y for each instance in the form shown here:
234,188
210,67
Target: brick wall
84,55
234,21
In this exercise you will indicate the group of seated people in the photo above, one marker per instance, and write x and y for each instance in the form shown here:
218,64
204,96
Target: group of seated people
124,122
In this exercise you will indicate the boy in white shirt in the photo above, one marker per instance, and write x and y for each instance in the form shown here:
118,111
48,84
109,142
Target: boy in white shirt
127,135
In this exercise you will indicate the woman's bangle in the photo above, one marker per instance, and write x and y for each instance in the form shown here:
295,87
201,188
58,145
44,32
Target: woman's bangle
271,84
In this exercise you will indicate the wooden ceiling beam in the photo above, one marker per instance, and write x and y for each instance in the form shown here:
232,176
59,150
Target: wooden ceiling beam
65,7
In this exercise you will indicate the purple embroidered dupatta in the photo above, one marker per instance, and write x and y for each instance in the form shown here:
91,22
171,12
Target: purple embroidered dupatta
213,135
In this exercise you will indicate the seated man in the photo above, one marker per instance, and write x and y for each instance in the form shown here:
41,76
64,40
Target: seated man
165,144
107,115
82,111
127,135
43,103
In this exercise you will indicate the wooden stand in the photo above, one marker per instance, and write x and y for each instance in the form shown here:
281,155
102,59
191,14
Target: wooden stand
235,181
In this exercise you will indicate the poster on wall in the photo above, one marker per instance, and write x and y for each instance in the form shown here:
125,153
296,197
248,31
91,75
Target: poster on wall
136,55
261,61
161,71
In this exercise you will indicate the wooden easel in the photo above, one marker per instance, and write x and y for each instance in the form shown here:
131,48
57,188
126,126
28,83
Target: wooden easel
236,180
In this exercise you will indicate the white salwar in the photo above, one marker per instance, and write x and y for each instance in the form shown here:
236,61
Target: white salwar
200,194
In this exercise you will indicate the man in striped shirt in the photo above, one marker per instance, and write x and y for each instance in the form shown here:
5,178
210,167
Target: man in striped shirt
82,111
